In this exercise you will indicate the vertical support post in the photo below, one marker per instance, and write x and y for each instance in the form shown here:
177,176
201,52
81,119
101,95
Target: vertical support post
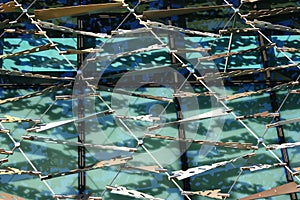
1,47
1,51
274,104
81,109
230,44
182,136
179,115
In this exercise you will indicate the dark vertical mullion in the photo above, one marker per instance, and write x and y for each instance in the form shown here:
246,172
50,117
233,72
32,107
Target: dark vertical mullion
179,114
275,107
81,108
1,50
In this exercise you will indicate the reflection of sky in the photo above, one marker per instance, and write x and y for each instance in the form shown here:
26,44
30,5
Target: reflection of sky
49,60
50,158
291,41
250,60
